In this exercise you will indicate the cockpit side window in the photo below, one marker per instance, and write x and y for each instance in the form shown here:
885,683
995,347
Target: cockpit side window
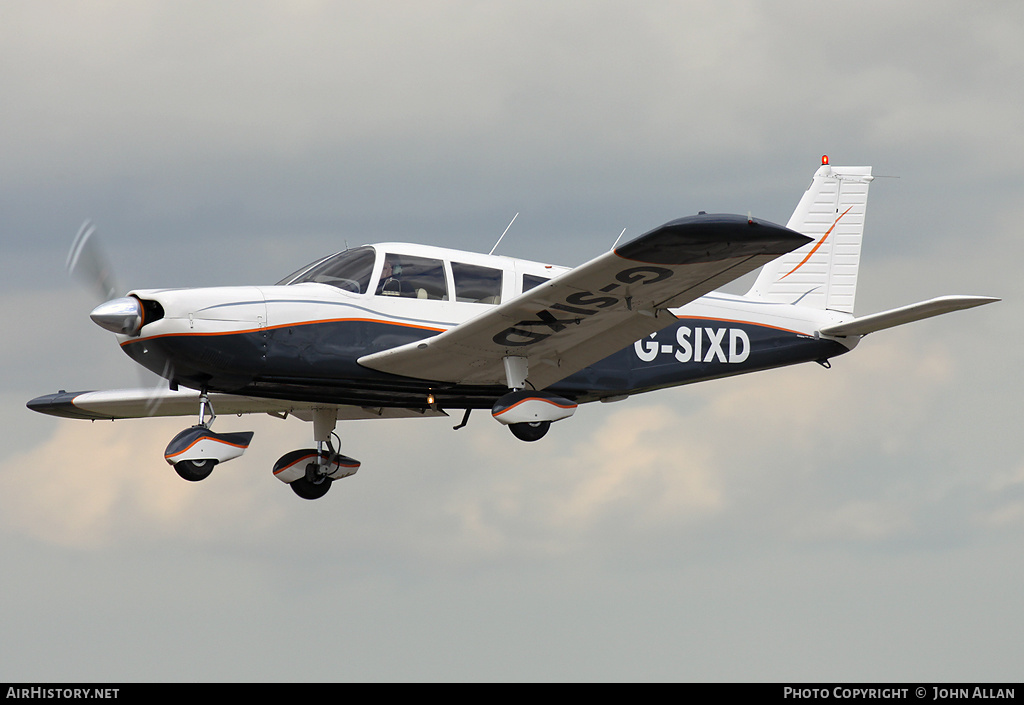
476,285
349,270
412,277
532,280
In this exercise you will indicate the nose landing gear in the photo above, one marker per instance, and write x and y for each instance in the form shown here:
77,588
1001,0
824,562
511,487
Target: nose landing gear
195,451
194,470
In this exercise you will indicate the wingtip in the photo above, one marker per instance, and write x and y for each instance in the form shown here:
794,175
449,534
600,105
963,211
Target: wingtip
705,237
969,301
61,404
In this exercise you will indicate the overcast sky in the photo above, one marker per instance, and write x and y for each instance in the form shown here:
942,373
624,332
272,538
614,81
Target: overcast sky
859,523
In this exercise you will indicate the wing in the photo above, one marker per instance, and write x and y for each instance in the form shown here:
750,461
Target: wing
598,308
143,403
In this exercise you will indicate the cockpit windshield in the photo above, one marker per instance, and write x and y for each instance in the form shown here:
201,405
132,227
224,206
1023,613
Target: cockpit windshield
349,270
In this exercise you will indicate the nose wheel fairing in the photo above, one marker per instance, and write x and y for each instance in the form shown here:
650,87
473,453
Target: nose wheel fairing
195,451
200,443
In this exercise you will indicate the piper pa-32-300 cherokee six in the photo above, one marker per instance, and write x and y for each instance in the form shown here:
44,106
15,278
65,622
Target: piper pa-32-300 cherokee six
399,331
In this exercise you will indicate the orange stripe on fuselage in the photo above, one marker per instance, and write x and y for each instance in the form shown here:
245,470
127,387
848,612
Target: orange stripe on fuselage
736,320
284,325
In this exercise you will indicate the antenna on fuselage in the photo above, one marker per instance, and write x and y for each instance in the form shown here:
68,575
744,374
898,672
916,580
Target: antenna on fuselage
618,238
503,234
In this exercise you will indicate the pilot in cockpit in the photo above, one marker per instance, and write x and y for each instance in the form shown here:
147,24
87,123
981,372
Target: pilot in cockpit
391,280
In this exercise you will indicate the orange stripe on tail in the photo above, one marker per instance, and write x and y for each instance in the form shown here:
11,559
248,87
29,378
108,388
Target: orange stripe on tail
817,245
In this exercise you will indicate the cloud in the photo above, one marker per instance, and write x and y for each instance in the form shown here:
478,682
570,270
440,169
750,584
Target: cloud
1000,506
639,457
516,84
94,484
633,466
693,462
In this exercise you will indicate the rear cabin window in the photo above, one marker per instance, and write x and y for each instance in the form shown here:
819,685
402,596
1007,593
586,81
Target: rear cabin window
531,280
475,284
412,277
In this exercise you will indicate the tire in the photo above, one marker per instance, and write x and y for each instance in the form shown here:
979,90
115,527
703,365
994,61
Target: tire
311,490
530,431
194,470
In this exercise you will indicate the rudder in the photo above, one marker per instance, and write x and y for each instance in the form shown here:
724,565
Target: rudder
823,273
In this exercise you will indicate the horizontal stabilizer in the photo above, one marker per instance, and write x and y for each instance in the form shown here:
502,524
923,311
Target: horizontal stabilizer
905,314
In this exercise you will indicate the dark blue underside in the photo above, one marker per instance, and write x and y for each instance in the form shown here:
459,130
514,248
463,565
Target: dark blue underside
317,362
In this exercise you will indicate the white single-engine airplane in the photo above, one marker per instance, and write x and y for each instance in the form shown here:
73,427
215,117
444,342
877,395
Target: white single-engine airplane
399,331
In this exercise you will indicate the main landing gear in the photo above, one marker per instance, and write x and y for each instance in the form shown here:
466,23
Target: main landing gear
311,472
529,431
528,414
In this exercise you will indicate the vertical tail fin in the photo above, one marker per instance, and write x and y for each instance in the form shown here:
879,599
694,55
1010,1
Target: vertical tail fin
823,273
